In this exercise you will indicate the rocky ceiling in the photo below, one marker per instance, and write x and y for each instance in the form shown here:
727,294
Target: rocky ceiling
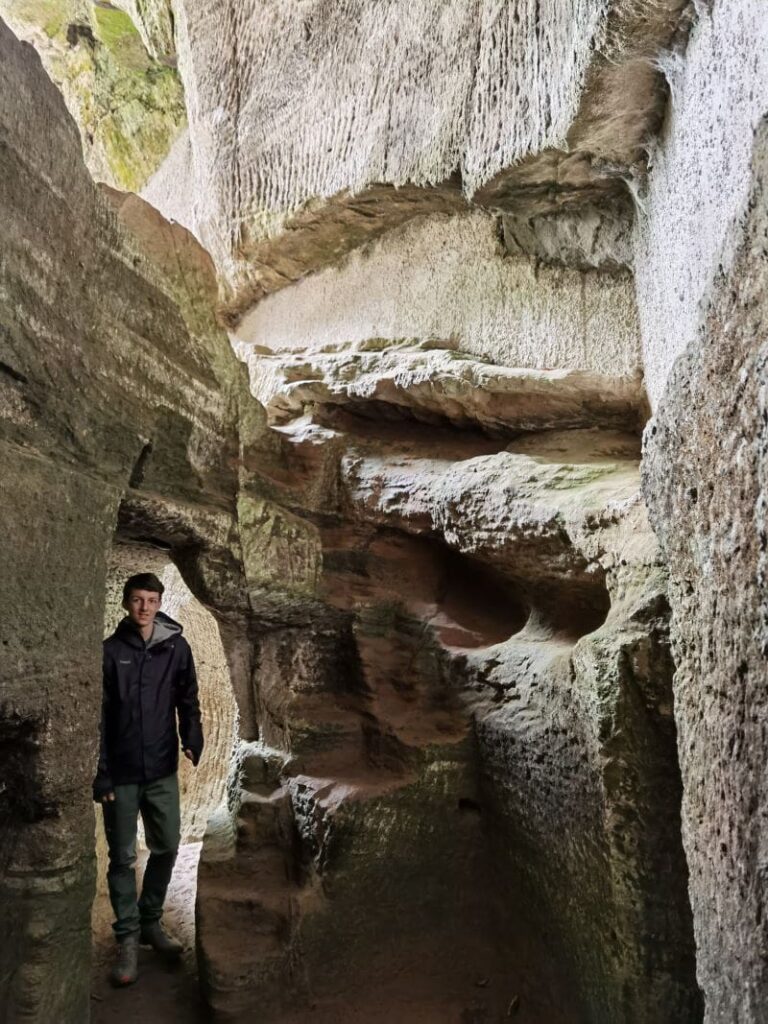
314,127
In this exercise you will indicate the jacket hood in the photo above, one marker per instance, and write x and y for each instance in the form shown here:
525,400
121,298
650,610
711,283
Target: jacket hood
165,628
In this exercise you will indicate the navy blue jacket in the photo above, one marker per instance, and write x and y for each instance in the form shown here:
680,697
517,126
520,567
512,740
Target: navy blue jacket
145,686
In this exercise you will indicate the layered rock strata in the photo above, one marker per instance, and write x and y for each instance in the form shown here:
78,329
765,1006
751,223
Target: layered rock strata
464,688
118,413
442,608
450,282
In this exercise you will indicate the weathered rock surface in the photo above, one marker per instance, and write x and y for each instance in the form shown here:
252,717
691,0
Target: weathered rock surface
105,391
437,384
445,617
448,280
690,223
469,631
704,480
154,21
466,72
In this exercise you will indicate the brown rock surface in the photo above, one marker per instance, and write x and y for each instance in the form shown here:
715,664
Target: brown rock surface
105,391
466,652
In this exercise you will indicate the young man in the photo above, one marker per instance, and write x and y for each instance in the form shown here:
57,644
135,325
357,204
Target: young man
149,678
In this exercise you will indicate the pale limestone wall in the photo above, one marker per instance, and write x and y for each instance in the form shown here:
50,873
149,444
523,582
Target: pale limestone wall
705,482
171,187
292,101
113,374
690,224
447,279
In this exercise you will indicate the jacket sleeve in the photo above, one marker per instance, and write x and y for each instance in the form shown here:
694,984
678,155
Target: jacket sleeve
102,783
188,706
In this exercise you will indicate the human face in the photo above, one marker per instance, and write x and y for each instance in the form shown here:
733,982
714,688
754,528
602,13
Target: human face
142,607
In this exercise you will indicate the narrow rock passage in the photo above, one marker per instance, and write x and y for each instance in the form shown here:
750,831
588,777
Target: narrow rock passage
164,993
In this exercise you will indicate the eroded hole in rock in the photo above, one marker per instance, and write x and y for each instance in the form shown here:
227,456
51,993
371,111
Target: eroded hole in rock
398,428
137,474
467,804
466,603
378,414
567,612
478,607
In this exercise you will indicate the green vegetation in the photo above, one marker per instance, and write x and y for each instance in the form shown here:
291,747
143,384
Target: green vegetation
129,107
119,35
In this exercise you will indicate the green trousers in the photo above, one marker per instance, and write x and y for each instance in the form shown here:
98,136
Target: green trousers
158,804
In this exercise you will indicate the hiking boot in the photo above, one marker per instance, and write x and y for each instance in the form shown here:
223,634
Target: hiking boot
153,935
125,970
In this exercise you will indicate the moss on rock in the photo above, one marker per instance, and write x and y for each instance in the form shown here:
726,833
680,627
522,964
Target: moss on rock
128,105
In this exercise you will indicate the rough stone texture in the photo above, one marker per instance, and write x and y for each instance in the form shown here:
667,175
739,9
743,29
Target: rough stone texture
590,238
547,105
446,279
128,103
705,482
689,224
105,391
438,385
154,21
444,613
466,652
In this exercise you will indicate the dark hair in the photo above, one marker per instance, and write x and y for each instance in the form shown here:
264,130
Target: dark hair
142,581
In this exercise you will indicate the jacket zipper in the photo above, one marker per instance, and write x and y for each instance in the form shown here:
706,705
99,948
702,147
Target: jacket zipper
141,715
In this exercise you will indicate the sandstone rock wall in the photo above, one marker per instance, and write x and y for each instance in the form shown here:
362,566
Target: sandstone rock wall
419,522
465,651
154,20
704,480
116,413
303,117
460,606
448,280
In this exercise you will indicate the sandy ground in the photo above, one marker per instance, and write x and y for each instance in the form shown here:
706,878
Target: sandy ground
165,993
168,993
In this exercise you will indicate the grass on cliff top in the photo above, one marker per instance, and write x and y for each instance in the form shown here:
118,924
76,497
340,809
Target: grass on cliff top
51,15
119,35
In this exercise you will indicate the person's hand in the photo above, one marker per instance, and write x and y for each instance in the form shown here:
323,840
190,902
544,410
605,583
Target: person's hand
108,797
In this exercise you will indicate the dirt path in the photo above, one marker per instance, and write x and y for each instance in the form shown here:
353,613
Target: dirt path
168,994
164,993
